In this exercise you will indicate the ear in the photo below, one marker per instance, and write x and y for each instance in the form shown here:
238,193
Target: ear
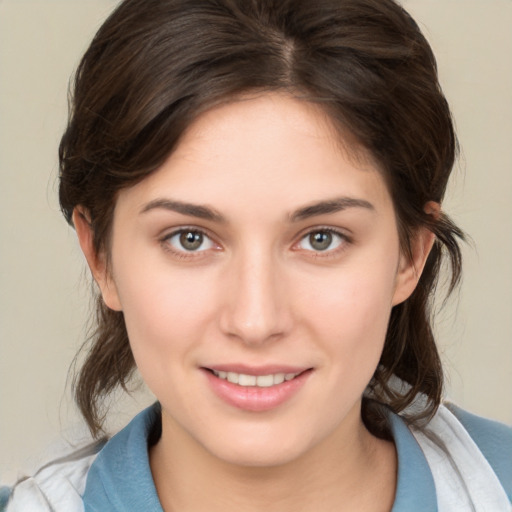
410,269
97,262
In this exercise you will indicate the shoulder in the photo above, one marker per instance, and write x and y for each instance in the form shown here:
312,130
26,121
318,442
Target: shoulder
57,486
468,467
494,439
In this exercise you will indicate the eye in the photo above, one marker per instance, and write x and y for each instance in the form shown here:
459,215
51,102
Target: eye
321,240
189,240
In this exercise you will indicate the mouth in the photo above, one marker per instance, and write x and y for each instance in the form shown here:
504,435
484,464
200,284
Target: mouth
256,389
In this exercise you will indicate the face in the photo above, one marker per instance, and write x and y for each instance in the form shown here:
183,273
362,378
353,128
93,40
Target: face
256,270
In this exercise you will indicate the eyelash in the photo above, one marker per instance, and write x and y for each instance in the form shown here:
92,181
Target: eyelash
189,254
344,240
165,241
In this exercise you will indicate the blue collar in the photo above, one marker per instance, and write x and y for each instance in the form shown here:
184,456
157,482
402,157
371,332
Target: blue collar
120,478
415,489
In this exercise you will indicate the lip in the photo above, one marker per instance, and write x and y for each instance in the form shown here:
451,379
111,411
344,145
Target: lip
254,398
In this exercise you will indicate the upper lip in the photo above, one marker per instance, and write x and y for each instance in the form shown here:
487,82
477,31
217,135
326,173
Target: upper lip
245,369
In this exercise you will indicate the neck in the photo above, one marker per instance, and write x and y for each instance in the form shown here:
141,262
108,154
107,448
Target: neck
349,470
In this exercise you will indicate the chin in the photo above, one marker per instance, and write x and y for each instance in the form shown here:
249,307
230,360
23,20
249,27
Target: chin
266,446
257,457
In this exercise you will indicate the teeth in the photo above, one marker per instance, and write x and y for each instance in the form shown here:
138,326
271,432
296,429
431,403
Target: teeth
265,381
233,377
262,381
278,378
246,380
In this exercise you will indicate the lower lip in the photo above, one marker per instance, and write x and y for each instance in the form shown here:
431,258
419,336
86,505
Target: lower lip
254,398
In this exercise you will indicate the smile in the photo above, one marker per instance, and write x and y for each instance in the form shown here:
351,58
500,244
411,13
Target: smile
269,389
261,381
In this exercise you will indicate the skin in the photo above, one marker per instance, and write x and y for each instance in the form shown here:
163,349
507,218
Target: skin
257,292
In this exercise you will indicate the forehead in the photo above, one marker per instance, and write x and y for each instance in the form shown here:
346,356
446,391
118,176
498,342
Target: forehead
270,148
270,116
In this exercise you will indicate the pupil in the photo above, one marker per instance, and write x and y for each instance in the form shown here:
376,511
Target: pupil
191,240
320,240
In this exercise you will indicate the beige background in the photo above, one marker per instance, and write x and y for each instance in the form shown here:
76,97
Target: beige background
43,286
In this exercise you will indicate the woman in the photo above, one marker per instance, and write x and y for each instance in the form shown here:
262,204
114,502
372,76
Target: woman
256,186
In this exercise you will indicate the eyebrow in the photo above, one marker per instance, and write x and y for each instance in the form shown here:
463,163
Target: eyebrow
190,209
325,207
329,206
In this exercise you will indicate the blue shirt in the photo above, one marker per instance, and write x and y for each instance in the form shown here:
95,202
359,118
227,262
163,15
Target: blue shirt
120,478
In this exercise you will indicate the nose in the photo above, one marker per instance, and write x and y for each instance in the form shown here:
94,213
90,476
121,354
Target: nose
256,308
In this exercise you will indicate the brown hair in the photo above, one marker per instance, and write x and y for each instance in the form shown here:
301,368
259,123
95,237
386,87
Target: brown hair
155,65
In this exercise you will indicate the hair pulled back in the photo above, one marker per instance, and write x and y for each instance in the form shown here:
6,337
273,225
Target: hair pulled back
155,65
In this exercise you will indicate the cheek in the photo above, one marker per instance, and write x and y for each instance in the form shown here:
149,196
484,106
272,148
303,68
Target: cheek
358,328
349,316
356,301
165,313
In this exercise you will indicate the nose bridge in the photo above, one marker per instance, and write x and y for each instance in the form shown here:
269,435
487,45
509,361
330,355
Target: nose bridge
256,309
